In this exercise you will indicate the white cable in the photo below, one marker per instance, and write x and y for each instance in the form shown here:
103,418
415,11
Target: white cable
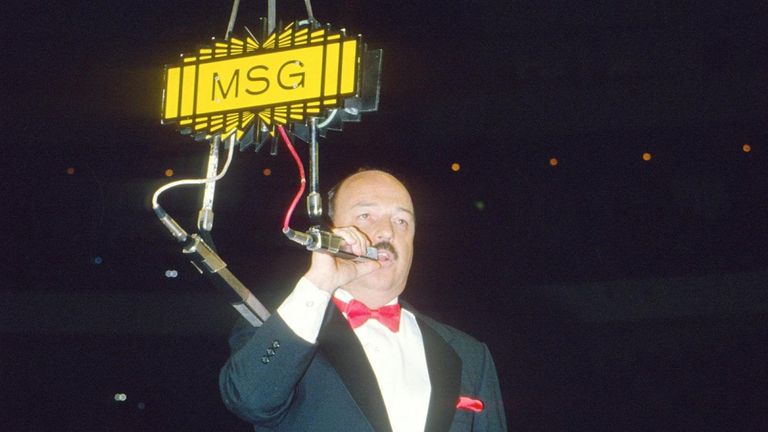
188,182
328,120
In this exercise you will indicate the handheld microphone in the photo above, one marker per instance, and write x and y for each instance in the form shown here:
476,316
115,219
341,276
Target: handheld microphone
326,242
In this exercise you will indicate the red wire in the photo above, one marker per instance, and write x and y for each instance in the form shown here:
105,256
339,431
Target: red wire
301,174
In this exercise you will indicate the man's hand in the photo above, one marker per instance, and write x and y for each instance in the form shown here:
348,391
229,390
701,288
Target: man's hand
328,272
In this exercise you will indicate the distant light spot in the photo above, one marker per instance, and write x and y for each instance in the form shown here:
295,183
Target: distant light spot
141,405
169,172
455,167
553,162
171,273
267,172
71,171
480,205
120,397
647,156
746,148
97,260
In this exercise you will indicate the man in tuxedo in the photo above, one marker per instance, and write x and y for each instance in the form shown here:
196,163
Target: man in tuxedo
341,354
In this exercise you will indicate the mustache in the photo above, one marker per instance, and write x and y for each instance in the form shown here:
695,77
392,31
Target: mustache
387,246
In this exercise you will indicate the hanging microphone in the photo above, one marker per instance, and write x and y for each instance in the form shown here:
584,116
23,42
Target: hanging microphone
315,239
326,242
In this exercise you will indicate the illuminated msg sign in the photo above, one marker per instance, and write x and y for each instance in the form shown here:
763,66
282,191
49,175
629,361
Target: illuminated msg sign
295,73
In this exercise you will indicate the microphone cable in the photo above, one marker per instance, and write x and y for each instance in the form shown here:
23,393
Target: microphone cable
303,179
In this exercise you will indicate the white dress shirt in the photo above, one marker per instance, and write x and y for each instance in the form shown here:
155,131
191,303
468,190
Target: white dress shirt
397,359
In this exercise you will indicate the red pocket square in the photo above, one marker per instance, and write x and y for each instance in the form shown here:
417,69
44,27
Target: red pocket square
470,404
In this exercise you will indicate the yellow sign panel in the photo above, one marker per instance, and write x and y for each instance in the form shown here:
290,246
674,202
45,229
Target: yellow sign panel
293,74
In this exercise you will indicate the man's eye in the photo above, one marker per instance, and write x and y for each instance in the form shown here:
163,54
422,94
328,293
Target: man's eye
364,216
402,222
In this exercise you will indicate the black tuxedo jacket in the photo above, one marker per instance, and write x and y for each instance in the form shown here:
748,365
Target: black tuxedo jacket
280,382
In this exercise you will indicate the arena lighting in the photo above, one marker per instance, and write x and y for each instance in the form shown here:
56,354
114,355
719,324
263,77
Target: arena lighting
455,167
301,79
647,156
553,162
746,148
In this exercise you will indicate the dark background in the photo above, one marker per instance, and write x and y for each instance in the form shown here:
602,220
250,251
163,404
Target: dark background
614,293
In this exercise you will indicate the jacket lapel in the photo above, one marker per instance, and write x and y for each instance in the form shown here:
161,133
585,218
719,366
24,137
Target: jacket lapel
343,350
444,376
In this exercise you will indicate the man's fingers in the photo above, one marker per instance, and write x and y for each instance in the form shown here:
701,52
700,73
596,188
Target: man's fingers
354,241
328,272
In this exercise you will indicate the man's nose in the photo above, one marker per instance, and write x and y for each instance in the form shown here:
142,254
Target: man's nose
383,230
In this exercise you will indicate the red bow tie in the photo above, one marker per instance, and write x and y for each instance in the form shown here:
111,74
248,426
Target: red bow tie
358,314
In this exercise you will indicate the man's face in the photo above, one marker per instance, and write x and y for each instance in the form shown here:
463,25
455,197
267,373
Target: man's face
379,205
